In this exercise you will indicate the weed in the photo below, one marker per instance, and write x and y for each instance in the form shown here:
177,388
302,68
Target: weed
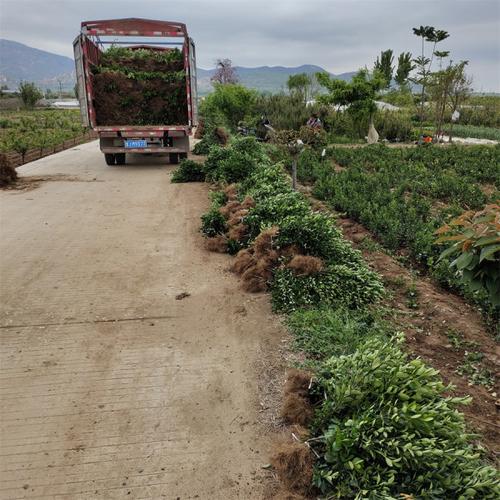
476,373
412,296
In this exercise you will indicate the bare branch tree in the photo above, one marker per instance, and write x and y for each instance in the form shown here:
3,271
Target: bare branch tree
224,73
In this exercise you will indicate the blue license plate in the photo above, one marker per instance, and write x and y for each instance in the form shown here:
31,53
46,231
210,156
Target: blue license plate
136,143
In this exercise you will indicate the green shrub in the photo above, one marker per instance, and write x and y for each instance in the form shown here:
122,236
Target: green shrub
189,171
273,209
339,285
309,164
228,104
395,126
266,181
387,430
323,333
213,223
316,234
235,162
202,147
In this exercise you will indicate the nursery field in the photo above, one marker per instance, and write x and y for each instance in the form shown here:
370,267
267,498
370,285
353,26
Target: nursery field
403,195
369,417
21,131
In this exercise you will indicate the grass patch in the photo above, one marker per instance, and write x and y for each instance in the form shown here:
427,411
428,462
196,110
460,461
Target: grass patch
322,333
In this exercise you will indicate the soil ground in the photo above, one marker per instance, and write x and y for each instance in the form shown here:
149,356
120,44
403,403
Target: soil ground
132,364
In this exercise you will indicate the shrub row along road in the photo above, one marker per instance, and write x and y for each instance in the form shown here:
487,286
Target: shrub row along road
110,385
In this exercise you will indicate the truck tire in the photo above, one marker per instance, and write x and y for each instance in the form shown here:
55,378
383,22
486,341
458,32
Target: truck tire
110,158
183,156
174,158
120,158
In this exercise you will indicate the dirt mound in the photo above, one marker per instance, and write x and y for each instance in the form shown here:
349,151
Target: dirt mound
8,174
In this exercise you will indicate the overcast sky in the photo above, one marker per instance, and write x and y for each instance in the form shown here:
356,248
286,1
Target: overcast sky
339,35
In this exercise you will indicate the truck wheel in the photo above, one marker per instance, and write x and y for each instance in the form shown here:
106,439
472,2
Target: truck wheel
174,158
183,156
120,158
110,158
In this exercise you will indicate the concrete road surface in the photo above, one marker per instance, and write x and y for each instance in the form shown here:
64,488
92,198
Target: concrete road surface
110,386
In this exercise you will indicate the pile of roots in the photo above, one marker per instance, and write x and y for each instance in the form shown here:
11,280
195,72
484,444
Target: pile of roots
8,174
120,100
292,458
256,264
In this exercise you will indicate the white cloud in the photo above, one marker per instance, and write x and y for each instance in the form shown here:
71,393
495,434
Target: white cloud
340,35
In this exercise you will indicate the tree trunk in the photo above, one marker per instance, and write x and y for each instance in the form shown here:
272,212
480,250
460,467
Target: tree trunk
372,132
294,173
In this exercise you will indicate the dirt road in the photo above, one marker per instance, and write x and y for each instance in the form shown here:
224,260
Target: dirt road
110,386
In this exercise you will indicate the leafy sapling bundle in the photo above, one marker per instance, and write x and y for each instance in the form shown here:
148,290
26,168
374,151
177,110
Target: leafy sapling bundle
140,87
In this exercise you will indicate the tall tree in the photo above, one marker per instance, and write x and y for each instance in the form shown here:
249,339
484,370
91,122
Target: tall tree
423,63
405,67
30,94
384,65
358,94
300,83
460,91
224,72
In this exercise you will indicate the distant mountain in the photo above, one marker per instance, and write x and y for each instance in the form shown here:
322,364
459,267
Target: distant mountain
264,78
20,62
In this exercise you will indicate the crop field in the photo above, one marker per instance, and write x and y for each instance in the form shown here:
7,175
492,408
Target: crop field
21,131
380,423
490,133
403,195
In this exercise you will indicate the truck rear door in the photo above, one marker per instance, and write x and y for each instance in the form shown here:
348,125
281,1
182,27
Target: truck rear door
80,80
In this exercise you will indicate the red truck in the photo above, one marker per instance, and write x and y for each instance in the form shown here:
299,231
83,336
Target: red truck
118,132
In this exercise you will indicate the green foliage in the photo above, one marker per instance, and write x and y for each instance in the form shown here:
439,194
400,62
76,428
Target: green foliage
189,171
235,162
338,285
481,111
394,126
404,195
286,112
30,94
115,54
228,104
323,333
301,84
491,133
213,223
405,67
271,210
386,429
474,240
316,234
399,97
384,66
133,74
41,128
359,94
